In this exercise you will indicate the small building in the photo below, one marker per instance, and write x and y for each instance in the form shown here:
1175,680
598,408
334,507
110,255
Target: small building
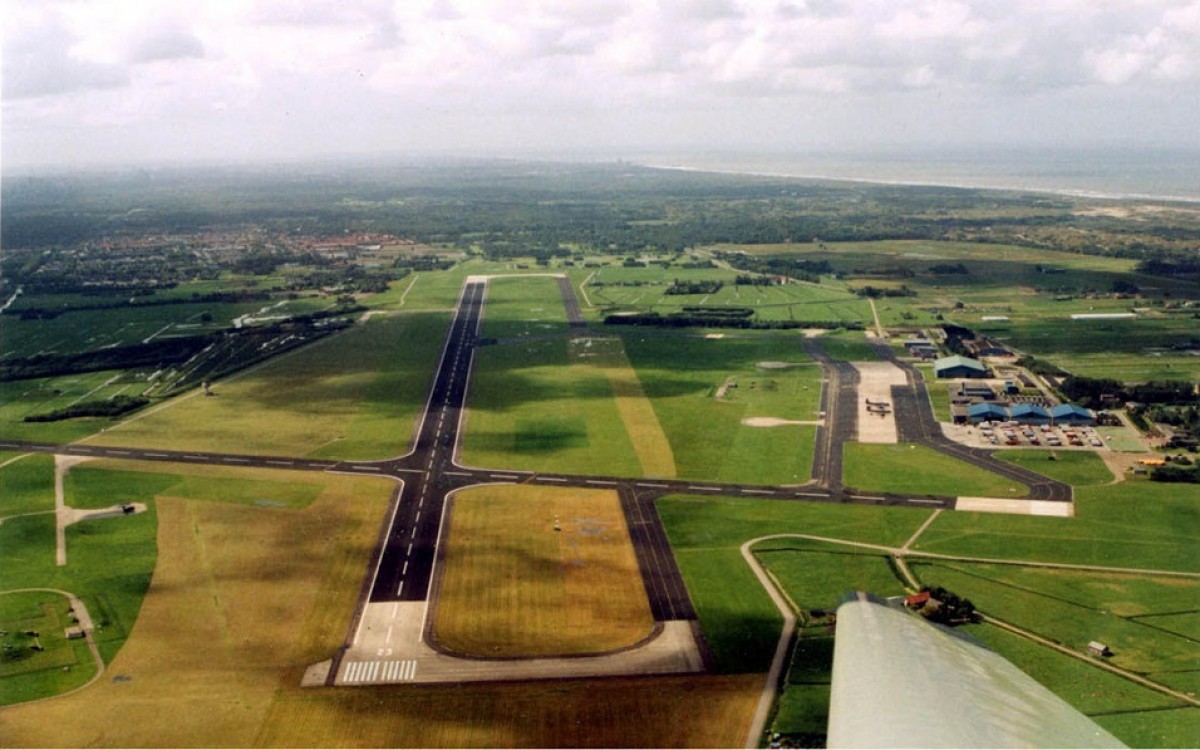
959,367
74,633
977,391
1029,414
916,600
1096,648
977,413
1072,414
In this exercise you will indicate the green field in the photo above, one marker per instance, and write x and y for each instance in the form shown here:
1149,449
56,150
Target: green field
1076,468
682,376
27,486
355,395
22,398
534,406
37,657
1137,524
740,623
1052,605
523,306
912,468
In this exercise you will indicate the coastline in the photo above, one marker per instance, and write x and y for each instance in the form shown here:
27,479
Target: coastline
966,185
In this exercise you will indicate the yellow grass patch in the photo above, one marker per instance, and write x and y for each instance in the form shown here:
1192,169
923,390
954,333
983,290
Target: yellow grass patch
240,602
704,711
636,410
511,585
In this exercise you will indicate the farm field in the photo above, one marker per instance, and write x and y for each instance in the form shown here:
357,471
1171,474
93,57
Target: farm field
682,376
354,396
1136,715
1074,608
739,622
1134,524
211,642
908,467
23,398
538,571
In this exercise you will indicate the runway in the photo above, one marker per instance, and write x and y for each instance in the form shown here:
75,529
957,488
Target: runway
403,564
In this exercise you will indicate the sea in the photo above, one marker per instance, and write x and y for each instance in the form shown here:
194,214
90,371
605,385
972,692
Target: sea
1116,173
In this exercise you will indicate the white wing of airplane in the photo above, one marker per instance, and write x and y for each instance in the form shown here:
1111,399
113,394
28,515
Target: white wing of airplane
899,681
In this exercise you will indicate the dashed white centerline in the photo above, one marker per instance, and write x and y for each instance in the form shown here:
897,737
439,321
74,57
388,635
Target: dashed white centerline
759,492
404,570
551,479
118,453
409,549
232,460
503,476
652,484
157,455
417,518
368,468
924,501
700,487
280,463
599,481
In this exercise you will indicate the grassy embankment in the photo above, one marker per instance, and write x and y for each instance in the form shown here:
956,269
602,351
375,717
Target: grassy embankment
539,571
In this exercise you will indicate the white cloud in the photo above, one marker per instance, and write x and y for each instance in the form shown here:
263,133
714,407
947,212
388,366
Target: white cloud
383,66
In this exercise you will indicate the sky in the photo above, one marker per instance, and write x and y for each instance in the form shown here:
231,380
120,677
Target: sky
90,82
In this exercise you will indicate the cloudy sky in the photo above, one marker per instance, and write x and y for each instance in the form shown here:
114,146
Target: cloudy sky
109,81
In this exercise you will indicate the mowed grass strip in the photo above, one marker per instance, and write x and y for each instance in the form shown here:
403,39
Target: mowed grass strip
637,412
354,395
539,571
912,468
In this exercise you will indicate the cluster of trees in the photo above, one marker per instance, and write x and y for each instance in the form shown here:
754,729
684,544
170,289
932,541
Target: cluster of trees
779,265
873,292
694,287
1184,472
1091,392
942,269
228,296
947,608
694,319
112,407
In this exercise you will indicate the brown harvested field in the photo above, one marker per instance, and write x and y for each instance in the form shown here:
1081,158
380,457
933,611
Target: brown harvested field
241,600
705,711
511,585
244,598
